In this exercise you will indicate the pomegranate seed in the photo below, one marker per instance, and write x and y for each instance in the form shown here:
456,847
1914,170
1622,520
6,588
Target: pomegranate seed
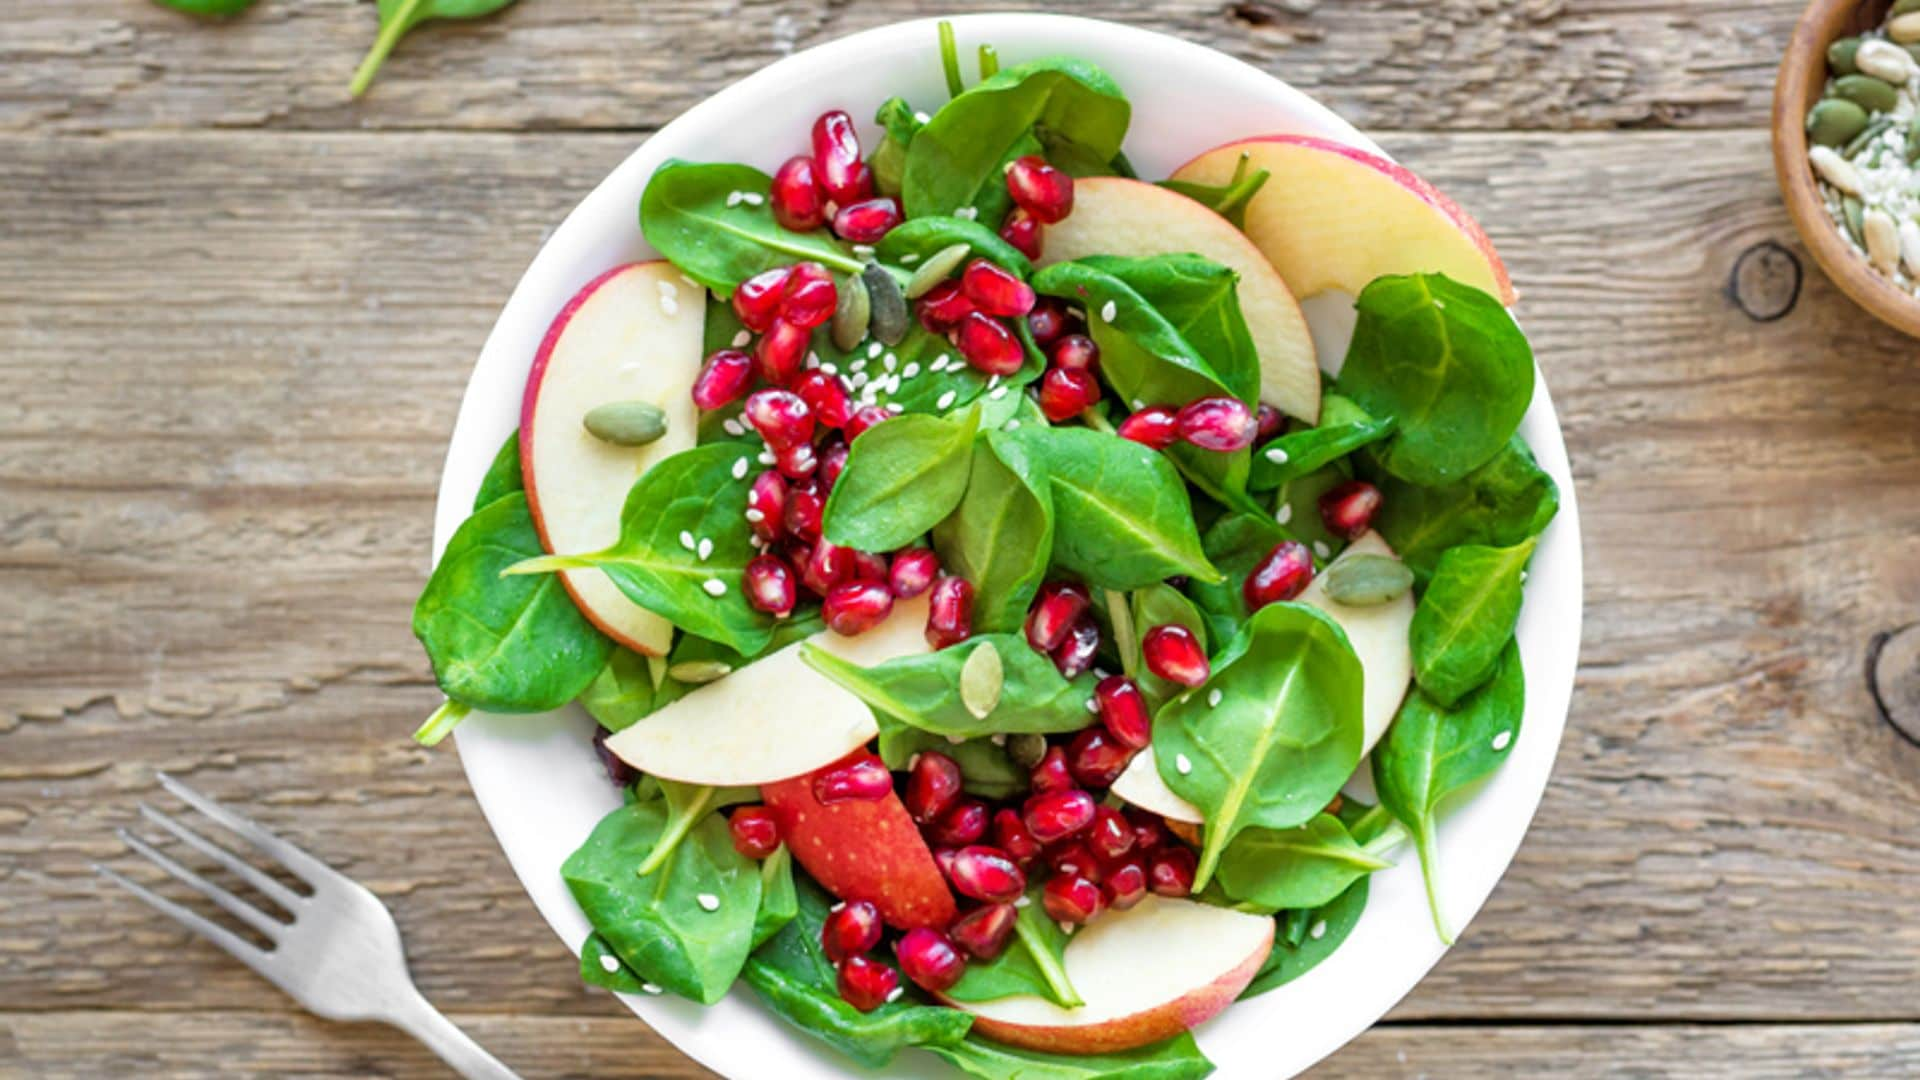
796,462
868,566
1053,612
722,379
929,958
618,770
943,858
965,822
1056,815
1070,898
1110,837
1076,651
1051,774
1156,426
1282,575
1123,709
996,291
950,612
1066,393
912,572
809,297
1148,833
780,416
827,567
836,159
942,308
1023,231
984,873
755,831
868,416
933,785
770,586
757,300
850,929
1174,654
863,781
1126,884
826,396
1222,424
866,984
1348,509
989,346
1270,422
856,607
984,932
805,505
781,351
1040,189
1047,321
1076,352
767,505
1170,871
1096,758
1011,835
865,222
1074,859
833,459
799,202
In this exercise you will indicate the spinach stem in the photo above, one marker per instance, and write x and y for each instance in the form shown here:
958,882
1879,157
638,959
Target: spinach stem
391,31
676,831
950,60
1388,840
444,720
989,62
1096,421
1424,842
1050,969
1125,634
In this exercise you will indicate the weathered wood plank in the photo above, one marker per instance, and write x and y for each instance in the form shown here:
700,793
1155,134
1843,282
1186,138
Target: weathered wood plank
88,65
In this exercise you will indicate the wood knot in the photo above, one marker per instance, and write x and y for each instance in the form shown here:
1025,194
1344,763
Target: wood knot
1893,678
1765,283
1268,12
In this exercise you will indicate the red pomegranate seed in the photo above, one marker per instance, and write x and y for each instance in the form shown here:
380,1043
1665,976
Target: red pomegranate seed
836,159
804,507
757,300
1096,758
950,612
1348,509
1076,352
1076,651
833,459
856,607
1051,774
1110,837
862,781
912,572
1271,422
865,983
1156,426
781,351
984,932
870,567
1070,898
799,202
796,462
1123,710
767,505
929,958
1056,815
984,873
755,831
1075,860
1047,321
1174,654
942,308
1221,424
826,396
989,346
826,567
1066,393
1148,833
996,291
965,822
867,221
1170,871
809,297
868,416
1040,189
619,772
722,379
1011,836
1282,575
943,858
933,785
1126,884
770,585
1053,612
780,416
850,929
1024,232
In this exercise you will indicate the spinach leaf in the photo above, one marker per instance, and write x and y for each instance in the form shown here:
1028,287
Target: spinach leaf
1284,735
985,768
1000,537
792,974
601,966
924,690
660,924
1299,949
693,493
218,9
1344,428
1431,752
398,17
1234,543
503,476
625,691
1303,867
504,644
898,124
779,902
925,374
910,242
1298,509
901,478
1447,362
1500,504
1034,963
1178,1058
1121,515
955,160
1160,605
1230,199
1466,617
696,217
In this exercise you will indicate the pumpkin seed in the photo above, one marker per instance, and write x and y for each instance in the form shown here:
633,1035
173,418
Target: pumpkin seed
1367,580
1883,241
1835,169
1904,29
1834,121
890,319
1901,7
1851,210
1885,60
935,270
1840,56
626,423
1913,140
982,678
851,315
695,672
1865,138
1026,749
1874,95
1910,247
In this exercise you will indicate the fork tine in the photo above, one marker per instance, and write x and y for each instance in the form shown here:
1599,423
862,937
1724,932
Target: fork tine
272,889
228,902
235,946
304,866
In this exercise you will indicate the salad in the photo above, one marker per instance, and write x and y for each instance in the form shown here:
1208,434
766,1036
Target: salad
987,602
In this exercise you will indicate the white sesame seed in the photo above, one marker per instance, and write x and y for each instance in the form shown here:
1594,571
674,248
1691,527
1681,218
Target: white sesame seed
859,380
909,258
944,360
858,365
752,198
714,586
1277,456
765,458
1284,514
1108,310
997,393
998,738
756,515
667,288
993,381
1013,425
946,400
914,761
956,739
813,359
1066,927
1101,673
686,539
912,369
1093,705
895,993
890,361
838,906
650,988
967,213
896,408
1022,900
735,198
609,962
1138,404
830,368
705,552
740,339
1182,764
668,305
1319,930
1213,698
732,426
709,901
1503,740
740,469
875,350
1321,550
863,251
922,118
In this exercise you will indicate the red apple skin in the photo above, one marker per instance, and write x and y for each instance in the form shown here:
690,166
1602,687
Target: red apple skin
863,850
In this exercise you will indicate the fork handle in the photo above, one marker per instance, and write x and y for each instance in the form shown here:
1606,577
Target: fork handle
421,1020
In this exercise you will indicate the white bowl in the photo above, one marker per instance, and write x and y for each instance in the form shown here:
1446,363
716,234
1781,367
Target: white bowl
538,780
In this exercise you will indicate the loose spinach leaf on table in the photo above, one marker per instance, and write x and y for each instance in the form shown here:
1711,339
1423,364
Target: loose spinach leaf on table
503,476
911,242
1161,605
1234,543
1431,752
1500,504
1344,427
214,8
792,974
1284,735
1122,519
1178,1058
1466,617
1000,537
694,216
1297,949
601,966
924,690
399,17
779,900
1303,867
985,769
1230,199
1034,963
1446,361
901,479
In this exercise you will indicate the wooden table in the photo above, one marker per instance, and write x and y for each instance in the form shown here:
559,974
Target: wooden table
237,311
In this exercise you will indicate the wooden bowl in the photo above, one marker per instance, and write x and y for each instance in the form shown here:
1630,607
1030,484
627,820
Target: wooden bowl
1803,72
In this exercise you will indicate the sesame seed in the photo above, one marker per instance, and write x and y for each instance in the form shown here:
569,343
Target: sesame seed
1182,764
1022,900
668,305
609,962
993,381
967,213
1284,514
946,400
740,339
1108,310
998,738
756,515
830,368
732,426
686,539
1503,740
944,360
997,393
714,586
1013,425
858,366
889,361
1213,698
1277,456
863,251
1138,404
667,288
909,258
922,118
709,901
896,408
875,350
1319,930
740,469
1321,550
894,994
706,551
650,988
765,458
735,198
1066,927
956,739
912,369
813,359
1093,705
913,762
752,198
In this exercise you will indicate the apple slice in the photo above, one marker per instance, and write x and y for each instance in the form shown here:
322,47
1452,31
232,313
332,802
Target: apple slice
1378,635
632,334
1140,784
773,719
1116,216
1147,974
1334,217
863,849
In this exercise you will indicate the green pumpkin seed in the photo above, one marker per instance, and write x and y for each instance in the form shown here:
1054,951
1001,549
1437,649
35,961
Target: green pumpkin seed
1834,121
695,672
1026,749
1872,131
851,315
982,678
626,423
1901,7
1874,95
1854,212
890,320
935,270
1913,50
1840,56
1913,140
1367,580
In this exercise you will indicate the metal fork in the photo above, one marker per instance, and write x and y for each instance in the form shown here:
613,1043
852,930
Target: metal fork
340,956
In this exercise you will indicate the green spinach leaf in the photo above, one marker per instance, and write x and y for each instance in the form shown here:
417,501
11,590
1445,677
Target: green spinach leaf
1344,428
503,476
898,124
901,479
1122,519
985,769
1178,1058
1500,504
1000,537
1298,949
1034,963
624,691
924,690
715,224
1230,199
399,17
779,900
1160,605
1466,617
911,242
601,966
1302,867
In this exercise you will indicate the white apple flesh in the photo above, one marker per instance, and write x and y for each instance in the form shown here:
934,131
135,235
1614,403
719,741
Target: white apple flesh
1140,784
1378,634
